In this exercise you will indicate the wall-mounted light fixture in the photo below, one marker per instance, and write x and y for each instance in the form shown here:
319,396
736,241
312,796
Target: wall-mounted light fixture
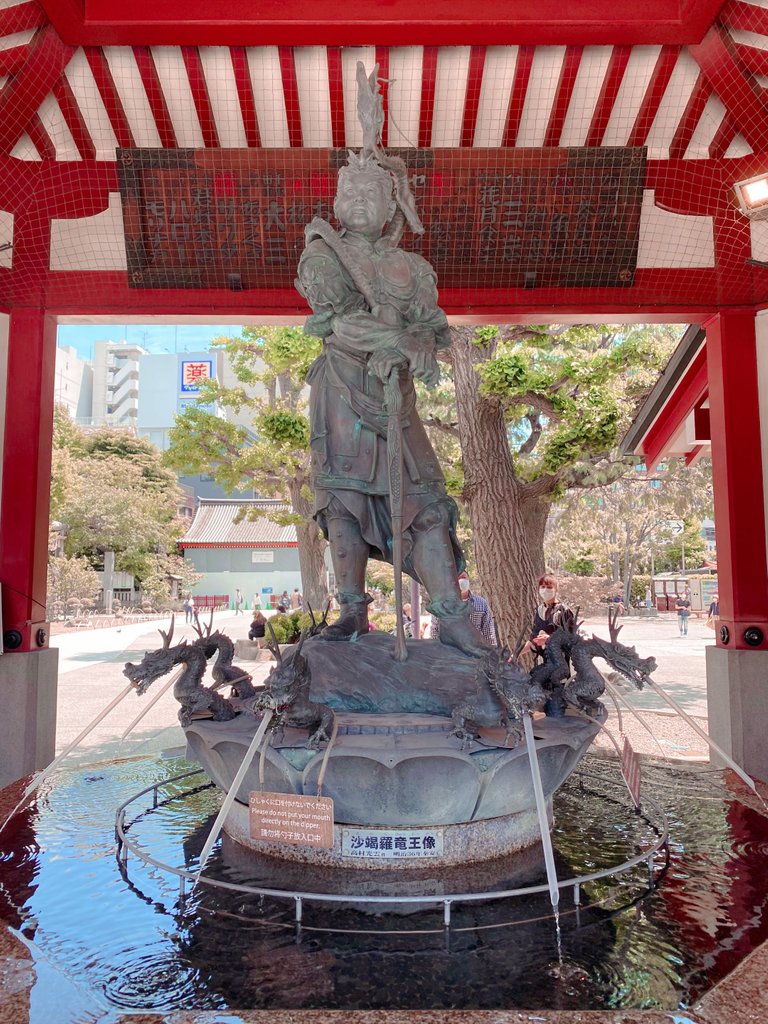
752,194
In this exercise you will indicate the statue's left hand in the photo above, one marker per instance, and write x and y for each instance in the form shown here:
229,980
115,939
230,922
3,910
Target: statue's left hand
424,366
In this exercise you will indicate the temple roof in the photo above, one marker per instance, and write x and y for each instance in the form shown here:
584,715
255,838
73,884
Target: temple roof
215,525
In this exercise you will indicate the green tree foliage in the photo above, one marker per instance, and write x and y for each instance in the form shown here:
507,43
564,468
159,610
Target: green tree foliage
264,442
540,410
157,582
71,580
111,492
625,525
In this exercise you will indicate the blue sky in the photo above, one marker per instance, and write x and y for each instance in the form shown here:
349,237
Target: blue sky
152,337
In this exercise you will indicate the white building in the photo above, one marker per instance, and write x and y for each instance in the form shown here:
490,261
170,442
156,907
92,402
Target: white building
116,383
73,386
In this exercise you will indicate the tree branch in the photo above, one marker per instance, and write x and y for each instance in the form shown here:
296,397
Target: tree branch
533,439
451,429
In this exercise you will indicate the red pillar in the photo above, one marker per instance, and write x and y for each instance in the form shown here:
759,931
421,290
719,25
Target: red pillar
24,511
737,470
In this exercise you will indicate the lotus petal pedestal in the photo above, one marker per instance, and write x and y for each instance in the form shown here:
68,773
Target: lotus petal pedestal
403,773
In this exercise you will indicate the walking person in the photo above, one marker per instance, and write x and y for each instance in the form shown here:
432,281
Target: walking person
239,601
683,609
713,615
189,608
296,599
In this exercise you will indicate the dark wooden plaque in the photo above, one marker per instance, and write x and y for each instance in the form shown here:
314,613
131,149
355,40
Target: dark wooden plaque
515,218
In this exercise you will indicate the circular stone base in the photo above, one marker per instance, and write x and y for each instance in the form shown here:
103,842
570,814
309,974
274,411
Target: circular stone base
469,842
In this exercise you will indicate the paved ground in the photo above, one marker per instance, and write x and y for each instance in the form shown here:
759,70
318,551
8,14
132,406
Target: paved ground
91,663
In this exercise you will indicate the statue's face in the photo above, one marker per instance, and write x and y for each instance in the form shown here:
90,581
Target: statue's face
363,203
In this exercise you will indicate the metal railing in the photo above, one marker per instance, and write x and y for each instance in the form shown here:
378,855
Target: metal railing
447,901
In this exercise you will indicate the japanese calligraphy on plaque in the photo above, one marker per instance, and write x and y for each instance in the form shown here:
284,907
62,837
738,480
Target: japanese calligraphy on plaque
514,218
287,818
391,843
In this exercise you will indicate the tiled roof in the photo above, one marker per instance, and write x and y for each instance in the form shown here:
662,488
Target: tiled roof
214,526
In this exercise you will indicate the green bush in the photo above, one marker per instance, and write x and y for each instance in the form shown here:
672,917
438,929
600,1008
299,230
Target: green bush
639,586
580,565
289,627
305,619
384,621
285,628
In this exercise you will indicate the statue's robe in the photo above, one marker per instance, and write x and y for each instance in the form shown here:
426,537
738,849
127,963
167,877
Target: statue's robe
348,415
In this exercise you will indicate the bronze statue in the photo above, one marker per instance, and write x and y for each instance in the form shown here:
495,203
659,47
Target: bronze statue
377,481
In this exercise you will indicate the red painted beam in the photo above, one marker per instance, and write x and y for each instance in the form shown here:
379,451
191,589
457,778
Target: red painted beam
689,392
12,60
660,295
398,23
336,93
27,472
427,107
22,95
523,67
563,94
155,96
21,18
694,108
291,95
662,72
62,93
743,99
105,83
244,85
747,17
754,59
40,138
694,454
614,75
472,96
197,83
723,137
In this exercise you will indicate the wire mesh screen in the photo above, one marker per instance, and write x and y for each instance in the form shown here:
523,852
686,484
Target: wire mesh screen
546,176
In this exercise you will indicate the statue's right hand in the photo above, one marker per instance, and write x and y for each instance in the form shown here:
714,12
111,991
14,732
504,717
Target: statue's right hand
382,363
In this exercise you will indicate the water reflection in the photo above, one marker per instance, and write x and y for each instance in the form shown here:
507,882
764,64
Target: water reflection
137,945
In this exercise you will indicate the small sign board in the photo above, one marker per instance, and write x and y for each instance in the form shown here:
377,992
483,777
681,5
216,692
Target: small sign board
262,556
391,843
288,818
630,769
193,371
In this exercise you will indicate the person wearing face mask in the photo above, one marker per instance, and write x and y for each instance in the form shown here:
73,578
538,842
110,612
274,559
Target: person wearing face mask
550,614
480,614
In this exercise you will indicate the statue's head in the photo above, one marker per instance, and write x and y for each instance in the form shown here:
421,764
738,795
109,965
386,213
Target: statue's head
364,198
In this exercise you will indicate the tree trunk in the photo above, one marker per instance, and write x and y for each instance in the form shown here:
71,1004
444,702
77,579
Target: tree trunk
506,552
311,545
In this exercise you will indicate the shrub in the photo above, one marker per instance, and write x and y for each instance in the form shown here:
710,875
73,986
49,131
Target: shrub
384,621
